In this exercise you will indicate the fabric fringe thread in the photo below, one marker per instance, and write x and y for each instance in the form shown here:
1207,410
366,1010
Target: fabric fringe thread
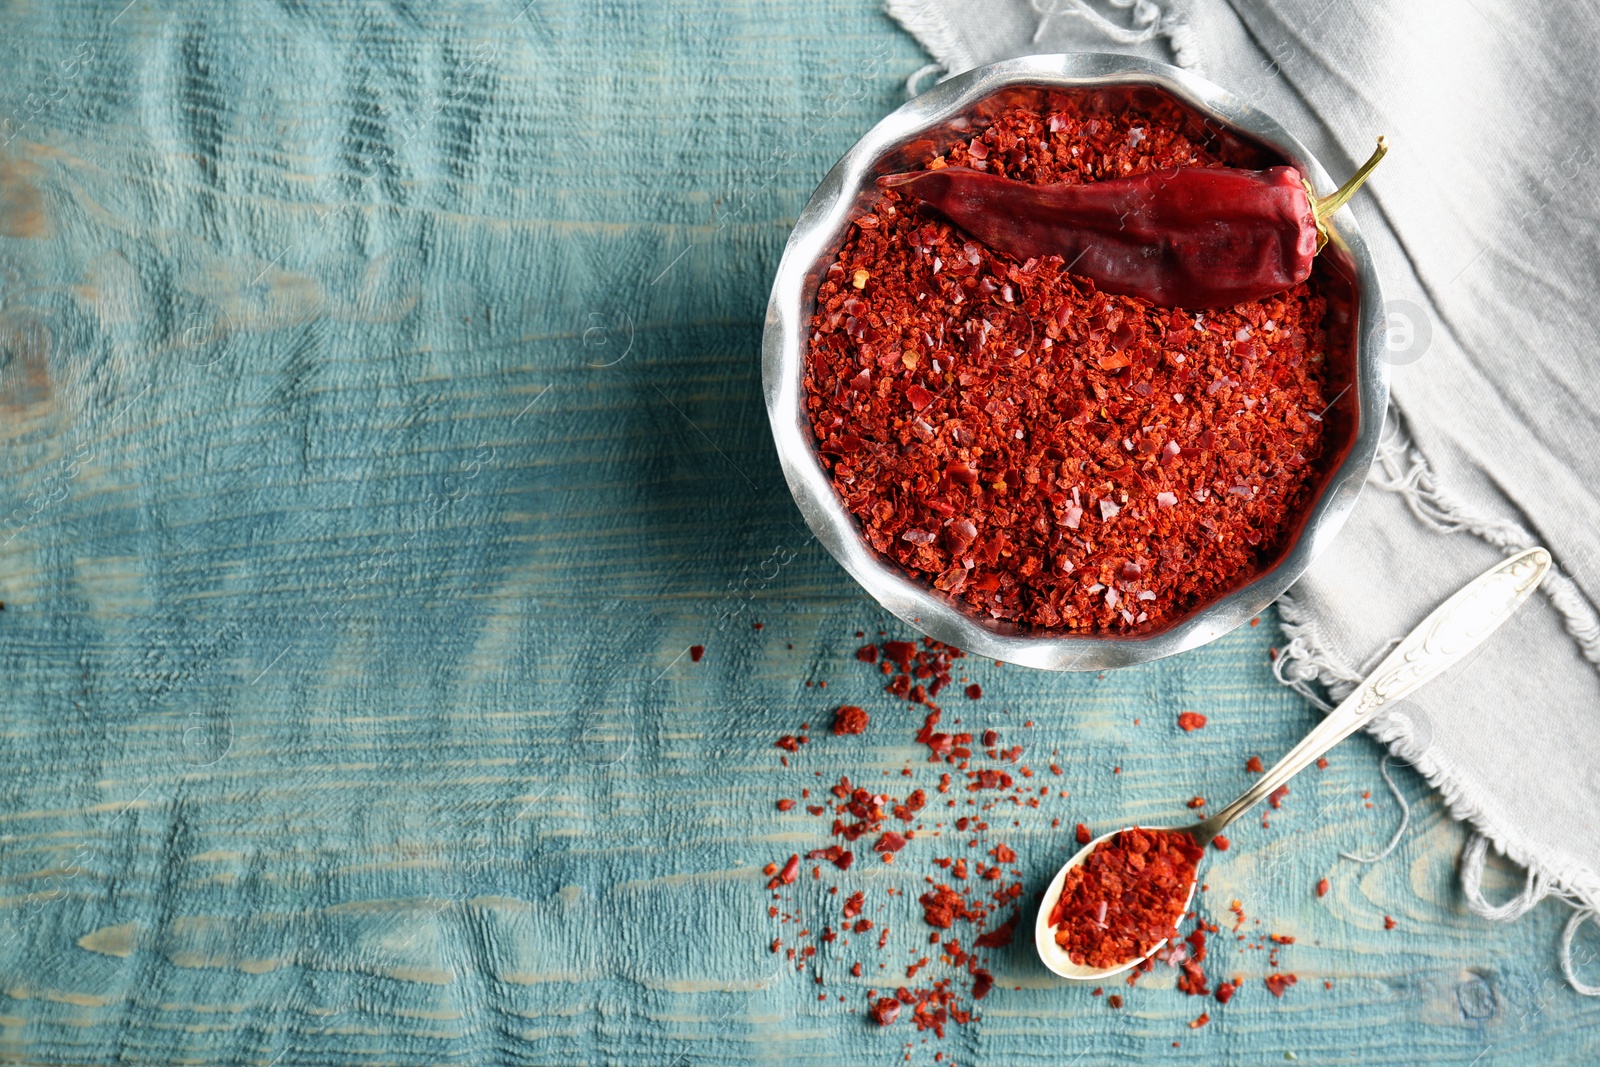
1305,663
1399,831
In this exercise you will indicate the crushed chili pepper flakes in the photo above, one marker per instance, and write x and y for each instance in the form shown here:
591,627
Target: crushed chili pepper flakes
1126,897
1277,983
1253,765
1322,887
978,894
885,1011
1044,453
1191,721
849,719
787,876
1388,923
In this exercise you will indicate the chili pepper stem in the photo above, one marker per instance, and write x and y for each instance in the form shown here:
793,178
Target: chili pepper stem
1323,207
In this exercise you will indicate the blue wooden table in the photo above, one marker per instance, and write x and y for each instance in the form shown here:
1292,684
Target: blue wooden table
382,416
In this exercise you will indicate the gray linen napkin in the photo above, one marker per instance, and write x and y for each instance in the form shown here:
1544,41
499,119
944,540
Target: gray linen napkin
1483,222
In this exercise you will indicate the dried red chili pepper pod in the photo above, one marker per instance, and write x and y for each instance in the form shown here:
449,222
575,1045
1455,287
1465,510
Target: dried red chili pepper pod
1192,237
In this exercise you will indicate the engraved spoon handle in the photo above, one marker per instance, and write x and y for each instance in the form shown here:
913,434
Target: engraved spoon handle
1443,639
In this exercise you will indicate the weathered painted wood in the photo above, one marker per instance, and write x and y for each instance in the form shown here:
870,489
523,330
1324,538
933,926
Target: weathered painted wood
381,414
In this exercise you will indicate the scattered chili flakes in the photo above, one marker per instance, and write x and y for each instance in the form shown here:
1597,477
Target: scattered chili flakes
1278,982
787,876
696,653
1199,1022
840,857
1225,991
916,671
1114,1001
1322,887
941,906
1000,936
982,982
974,691
1191,721
1193,980
1039,451
849,719
1197,802
1253,765
1388,923
1220,843
1126,897
1083,834
1275,798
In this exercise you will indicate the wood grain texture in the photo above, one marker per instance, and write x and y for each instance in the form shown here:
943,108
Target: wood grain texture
382,422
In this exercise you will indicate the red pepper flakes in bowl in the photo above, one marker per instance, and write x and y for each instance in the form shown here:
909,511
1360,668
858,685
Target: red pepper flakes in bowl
1126,897
1044,453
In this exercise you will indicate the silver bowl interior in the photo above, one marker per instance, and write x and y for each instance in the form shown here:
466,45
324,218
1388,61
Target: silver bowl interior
926,126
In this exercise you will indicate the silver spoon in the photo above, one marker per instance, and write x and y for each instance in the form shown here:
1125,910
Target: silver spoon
1444,638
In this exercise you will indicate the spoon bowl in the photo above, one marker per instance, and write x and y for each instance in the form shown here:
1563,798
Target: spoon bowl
1044,935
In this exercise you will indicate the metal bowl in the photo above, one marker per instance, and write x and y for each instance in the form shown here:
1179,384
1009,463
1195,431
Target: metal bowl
927,125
